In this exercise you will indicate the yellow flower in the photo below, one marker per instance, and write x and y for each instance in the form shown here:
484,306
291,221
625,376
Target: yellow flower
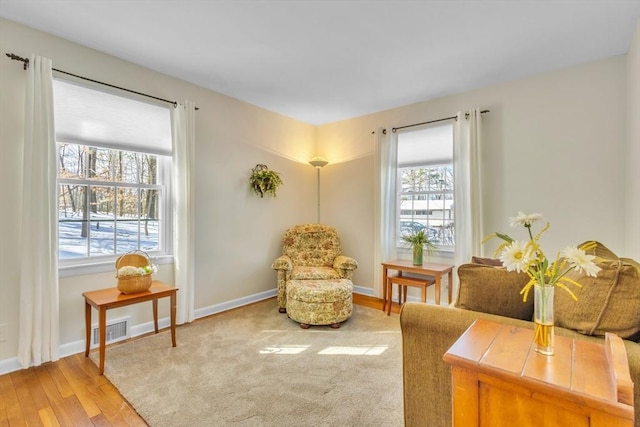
528,257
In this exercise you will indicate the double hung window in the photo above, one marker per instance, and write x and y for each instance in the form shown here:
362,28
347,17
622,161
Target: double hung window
109,201
425,196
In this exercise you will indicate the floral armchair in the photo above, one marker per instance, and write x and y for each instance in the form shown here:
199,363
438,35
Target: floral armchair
310,251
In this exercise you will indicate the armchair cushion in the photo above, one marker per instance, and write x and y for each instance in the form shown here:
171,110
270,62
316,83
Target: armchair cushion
311,245
314,273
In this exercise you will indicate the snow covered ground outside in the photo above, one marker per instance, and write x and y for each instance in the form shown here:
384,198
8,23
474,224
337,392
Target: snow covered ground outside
106,236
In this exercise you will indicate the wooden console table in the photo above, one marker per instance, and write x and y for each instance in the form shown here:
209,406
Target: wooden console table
499,380
427,268
104,299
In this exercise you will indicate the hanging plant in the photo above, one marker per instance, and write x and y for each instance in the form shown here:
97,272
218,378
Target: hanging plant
263,181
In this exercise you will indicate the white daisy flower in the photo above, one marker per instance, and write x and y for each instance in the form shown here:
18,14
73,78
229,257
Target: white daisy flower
516,256
580,261
524,219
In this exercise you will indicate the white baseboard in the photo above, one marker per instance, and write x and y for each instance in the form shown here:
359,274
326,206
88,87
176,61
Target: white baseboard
239,302
75,347
9,365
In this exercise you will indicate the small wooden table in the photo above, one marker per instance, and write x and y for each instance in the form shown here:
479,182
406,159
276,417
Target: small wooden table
427,268
499,380
104,299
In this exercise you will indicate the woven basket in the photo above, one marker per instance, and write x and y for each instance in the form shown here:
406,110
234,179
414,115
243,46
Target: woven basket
133,284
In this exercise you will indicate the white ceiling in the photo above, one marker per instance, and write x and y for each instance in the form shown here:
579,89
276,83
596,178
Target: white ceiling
323,61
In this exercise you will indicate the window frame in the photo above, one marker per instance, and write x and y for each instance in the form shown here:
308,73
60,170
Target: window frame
399,199
102,263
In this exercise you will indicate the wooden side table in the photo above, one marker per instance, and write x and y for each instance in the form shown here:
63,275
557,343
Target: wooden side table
499,380
403,283
427,268
104,299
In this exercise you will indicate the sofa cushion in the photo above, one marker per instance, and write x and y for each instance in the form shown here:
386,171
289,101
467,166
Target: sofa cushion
609,302
493,290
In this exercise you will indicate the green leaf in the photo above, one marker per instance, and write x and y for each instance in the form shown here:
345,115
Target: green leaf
504,237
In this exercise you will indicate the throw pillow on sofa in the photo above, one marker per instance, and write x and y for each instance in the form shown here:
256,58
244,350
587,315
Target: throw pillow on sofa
609,302
486,261
493,290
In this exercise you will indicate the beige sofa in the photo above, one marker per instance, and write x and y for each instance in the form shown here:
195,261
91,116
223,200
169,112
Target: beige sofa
487,292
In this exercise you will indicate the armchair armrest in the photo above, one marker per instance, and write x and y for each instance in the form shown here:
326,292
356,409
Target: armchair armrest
345,263
345,266
283,265
283,262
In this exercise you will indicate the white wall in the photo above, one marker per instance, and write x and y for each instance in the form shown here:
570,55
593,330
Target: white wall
554,143
633,152
237,234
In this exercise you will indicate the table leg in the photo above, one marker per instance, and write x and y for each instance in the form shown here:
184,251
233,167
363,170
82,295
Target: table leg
424,293
438,288
384,287
173,318
103,336
155,315
389,287
450,285
87,327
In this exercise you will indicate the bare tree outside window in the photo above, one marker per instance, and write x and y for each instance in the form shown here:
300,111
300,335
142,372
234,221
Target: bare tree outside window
426,202
109,201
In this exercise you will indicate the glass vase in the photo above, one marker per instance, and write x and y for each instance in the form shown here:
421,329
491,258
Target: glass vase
417,255
543,319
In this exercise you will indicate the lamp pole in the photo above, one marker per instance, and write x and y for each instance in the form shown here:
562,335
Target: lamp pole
318,163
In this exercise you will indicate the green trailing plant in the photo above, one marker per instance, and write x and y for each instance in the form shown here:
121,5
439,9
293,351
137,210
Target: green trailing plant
264,181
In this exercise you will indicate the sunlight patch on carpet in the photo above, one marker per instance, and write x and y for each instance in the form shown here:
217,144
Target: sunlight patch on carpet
284,349
359,350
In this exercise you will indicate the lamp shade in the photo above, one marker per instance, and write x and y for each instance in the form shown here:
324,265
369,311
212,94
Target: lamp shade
318,162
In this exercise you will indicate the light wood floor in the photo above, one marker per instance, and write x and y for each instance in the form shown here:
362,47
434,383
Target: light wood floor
70,392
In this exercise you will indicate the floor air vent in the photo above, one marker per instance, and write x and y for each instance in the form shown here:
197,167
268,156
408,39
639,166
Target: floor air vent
117,330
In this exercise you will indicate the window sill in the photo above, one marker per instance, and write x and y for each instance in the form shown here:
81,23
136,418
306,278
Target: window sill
102,266
438,253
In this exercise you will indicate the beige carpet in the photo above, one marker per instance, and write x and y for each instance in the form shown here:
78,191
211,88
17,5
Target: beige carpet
255,367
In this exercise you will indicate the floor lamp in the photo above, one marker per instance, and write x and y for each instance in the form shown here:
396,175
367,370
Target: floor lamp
318,163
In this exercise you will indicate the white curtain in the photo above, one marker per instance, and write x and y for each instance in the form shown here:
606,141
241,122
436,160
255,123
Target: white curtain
468,185
39,329
386,157
183,134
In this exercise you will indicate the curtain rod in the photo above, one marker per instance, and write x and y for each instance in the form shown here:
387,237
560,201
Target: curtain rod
26,65
434,121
